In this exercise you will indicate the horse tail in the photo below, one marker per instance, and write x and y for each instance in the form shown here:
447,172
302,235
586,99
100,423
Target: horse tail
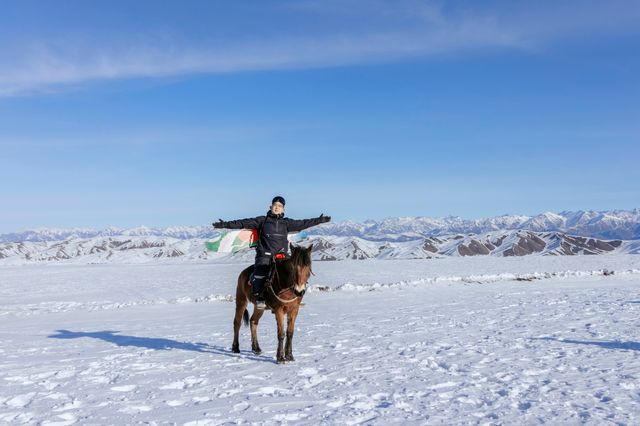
245,318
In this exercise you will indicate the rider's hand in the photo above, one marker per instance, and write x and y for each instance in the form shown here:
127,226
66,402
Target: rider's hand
219,224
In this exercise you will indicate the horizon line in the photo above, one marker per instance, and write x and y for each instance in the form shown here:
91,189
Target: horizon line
156,227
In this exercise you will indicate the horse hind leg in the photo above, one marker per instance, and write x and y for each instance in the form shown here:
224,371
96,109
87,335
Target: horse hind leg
241,311
255,319
241,308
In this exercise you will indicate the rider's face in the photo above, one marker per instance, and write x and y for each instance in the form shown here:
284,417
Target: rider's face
277,208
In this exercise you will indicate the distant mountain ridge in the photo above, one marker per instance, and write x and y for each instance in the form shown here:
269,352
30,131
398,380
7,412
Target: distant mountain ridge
612,224
144,249
61,234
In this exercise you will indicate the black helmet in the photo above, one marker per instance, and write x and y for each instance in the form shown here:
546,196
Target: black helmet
278,199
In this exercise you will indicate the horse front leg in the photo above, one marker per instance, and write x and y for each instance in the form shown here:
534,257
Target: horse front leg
280,321
291,323
255,318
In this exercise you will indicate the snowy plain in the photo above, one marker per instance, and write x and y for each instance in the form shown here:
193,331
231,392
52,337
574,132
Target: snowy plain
484,340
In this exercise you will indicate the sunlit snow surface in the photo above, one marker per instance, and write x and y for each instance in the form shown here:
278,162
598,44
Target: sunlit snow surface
442,341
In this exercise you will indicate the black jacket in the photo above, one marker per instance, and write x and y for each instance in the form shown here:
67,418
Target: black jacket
273,230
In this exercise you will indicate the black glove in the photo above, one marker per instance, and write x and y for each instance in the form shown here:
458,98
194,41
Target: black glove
219,224
324,219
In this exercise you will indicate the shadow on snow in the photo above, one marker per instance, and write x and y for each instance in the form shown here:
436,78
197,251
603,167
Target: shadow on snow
632,346
155,343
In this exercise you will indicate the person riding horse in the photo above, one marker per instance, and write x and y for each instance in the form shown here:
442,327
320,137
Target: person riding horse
272,229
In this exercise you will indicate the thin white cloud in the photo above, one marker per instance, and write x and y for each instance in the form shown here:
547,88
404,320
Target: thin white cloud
49,66
44,66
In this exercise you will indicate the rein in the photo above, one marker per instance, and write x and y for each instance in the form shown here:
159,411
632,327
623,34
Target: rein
280,299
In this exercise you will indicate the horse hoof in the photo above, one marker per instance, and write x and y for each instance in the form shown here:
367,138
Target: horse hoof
290,358
235,349
280,360
257,351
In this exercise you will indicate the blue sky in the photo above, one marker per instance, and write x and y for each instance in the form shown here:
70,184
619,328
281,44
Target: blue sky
165,113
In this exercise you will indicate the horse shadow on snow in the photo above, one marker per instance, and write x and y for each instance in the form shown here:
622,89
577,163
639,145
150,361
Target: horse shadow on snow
616,344
154,343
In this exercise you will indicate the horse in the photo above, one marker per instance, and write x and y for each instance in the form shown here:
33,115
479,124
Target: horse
283,294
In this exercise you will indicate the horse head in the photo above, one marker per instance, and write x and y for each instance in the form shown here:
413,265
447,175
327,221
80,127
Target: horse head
301,262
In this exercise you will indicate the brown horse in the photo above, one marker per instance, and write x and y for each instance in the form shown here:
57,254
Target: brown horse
283,294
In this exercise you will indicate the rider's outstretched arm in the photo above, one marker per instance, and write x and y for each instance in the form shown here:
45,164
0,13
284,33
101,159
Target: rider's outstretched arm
249,223
294,225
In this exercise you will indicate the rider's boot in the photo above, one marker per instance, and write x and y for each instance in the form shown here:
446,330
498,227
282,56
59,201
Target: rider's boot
260,302
258,285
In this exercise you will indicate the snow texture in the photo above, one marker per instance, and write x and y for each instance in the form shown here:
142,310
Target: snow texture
460,340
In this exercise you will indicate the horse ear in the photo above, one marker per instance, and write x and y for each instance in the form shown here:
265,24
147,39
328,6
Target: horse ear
310,248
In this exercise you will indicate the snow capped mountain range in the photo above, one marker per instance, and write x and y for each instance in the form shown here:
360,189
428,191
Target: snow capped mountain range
49,234
615,224
618,224
126,249
566,233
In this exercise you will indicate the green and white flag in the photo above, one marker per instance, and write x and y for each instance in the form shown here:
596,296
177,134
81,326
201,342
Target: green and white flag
233,241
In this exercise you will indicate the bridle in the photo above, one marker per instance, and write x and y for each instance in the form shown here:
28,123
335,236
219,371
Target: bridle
292,287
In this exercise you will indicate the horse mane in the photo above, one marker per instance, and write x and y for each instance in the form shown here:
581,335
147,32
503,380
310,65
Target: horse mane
300,256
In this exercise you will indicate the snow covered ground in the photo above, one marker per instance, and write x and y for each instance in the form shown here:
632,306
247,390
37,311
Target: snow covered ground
443,341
